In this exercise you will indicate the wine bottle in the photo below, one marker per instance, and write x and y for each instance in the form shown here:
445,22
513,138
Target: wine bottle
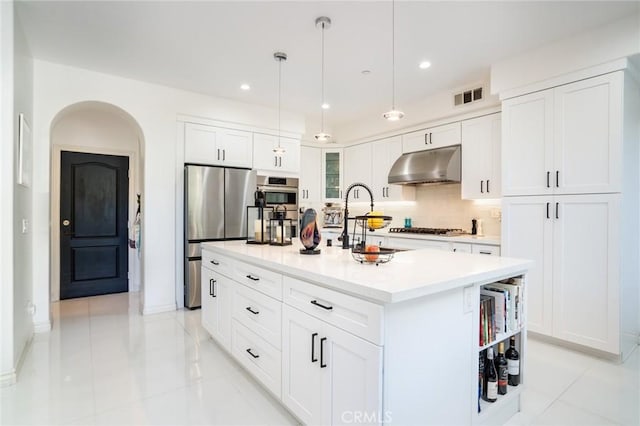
490,378
503,370
513,362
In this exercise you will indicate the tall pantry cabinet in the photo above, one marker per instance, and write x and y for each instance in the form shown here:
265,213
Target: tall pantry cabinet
571,187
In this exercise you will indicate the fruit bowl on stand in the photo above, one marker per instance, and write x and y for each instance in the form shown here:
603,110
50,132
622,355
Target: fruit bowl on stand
372,254
368,253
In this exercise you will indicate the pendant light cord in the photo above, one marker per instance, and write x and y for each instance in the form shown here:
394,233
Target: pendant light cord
322,84
393,55
279,96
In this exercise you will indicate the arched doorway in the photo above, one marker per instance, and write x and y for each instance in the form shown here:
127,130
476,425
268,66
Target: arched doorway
101,129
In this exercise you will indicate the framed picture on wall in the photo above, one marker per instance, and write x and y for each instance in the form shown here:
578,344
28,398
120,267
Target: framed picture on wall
25,145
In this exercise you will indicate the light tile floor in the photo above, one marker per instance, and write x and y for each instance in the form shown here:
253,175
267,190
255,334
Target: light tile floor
104,364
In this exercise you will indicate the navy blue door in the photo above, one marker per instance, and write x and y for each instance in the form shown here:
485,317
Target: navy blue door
93,224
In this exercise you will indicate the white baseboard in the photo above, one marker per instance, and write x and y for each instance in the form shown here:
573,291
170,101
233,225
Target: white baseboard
148,310
11,377
42,327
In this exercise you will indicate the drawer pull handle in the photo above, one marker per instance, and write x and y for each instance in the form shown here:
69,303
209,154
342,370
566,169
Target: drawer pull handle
215,263
252,354
252,278
315,302
485,252
313,347
322,364
248,308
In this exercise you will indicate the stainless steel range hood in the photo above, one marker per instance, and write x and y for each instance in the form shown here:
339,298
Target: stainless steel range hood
440,165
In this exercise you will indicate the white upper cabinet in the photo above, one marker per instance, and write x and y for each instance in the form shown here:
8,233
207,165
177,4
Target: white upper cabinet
217,146
481,168
357,168
384,153
264,157
434,137
332,174
309,186
588,135
565,140
527,144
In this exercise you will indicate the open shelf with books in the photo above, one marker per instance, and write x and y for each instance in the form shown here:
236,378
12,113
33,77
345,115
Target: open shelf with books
501,347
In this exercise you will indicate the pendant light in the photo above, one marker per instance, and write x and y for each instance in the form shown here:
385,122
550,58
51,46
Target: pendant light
279,56
323,23
394,114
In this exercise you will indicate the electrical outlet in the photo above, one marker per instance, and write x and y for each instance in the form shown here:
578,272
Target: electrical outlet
496,213
25,226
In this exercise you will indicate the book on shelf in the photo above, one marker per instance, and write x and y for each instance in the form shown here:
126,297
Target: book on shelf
500,309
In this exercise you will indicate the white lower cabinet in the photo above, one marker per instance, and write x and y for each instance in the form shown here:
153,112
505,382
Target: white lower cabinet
217,300
329,376
574,290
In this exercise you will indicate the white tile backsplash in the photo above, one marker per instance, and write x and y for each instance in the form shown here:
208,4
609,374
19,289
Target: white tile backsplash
438,206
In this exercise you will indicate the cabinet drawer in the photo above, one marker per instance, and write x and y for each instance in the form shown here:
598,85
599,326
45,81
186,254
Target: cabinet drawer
461,248
261,359
263,280
349,313
485,249
218,263
260,313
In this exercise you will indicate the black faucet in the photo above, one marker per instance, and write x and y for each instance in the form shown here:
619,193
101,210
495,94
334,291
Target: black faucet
345,231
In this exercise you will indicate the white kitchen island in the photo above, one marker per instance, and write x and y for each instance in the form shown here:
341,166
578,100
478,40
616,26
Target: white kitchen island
342,342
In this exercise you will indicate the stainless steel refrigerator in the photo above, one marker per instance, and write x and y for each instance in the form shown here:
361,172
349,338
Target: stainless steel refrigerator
215,209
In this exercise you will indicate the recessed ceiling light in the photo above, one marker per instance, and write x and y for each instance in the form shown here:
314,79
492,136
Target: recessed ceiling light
325,106
245,87
365,72
424,65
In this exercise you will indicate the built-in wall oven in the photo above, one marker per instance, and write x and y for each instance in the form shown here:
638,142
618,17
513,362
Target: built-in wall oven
281,191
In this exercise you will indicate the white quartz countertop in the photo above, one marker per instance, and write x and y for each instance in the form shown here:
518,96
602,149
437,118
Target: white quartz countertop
469,239
409,275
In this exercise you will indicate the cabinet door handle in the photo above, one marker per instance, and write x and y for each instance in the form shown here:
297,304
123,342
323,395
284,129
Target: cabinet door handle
313,347
548,177
455,249
218,153
280,162
557,179
224,152
488,186
548,211
482,187
215,263
275,161
426,138
431,138
252,354
322,364
252,278
557,213
315,302
248,308
211,281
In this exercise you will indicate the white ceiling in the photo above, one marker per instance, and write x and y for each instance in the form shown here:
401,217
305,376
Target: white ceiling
212,47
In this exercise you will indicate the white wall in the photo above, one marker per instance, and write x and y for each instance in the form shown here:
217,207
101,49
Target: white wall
615,40
7,366
155,109
97,128
22,207
438,107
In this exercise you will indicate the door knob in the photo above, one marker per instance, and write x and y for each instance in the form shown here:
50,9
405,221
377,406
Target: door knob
66,222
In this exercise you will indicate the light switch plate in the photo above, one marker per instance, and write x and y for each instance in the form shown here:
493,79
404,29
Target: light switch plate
467,296
25,225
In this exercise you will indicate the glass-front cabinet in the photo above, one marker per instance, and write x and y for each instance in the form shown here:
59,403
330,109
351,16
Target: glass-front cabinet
332,174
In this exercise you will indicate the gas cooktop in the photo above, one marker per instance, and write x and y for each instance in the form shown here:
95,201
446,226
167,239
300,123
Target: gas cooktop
430,231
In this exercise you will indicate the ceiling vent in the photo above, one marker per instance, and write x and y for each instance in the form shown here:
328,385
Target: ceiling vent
467,97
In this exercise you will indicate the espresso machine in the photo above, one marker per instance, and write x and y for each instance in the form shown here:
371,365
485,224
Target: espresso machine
333,215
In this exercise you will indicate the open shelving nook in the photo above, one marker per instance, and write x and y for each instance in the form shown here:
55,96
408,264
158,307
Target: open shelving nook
507,405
